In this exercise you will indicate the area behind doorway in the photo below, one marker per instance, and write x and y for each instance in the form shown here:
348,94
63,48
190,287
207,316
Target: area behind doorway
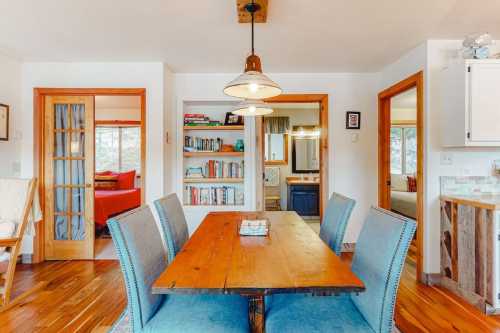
401,156
92,150
117,185
294,154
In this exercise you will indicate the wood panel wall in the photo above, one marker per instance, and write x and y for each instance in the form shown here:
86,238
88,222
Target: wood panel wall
467,252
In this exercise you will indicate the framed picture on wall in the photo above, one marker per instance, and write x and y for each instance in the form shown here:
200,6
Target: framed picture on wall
4,122
353,120
233,119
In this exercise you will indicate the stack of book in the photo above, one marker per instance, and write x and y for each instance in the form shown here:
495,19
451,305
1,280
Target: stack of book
223,169
213,195
194,172
202,144
198,119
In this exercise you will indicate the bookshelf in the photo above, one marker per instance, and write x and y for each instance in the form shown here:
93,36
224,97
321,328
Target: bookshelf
213,154
211,180
215,128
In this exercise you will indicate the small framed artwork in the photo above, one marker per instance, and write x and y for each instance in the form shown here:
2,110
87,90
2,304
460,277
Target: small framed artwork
233,119
353,120
4,122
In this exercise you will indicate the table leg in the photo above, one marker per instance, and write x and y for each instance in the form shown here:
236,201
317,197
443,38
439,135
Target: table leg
256,312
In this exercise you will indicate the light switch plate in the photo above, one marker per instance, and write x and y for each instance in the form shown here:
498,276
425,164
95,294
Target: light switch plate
446,158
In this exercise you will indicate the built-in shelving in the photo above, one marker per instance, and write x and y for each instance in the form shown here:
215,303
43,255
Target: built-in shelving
213,180
209,193
213,154
215,128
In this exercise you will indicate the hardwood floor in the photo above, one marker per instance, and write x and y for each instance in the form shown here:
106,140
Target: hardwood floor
88,296
81,296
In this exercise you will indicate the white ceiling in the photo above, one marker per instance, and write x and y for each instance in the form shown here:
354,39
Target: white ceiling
204,36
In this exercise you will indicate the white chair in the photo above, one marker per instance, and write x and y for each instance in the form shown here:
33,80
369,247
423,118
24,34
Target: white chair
16,213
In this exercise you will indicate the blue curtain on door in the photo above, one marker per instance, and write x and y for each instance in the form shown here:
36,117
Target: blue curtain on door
61,171
78,173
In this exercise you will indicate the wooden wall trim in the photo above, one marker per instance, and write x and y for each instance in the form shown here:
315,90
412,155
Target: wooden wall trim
91,91
118,122
39,94
384,108
322,99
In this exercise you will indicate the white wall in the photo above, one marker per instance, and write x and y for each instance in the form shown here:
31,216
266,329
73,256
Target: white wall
406,114
101,75
122,114
10,94
352,166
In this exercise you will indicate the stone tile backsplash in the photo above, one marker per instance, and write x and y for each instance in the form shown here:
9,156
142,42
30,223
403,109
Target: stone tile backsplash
470,185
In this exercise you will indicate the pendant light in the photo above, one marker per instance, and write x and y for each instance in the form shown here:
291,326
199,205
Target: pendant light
252,84
252,107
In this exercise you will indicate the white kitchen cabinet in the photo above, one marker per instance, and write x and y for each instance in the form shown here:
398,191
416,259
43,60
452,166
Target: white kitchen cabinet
471,104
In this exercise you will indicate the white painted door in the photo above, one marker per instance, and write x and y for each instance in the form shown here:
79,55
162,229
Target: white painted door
484,103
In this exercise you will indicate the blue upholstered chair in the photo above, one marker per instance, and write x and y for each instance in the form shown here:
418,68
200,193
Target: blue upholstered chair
142,259
335,221
173,223
378,261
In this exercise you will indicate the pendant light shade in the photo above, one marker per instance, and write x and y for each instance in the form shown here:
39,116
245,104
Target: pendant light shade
252,84
252,107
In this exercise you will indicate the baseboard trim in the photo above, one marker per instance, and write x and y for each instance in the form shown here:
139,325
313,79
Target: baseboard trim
431,279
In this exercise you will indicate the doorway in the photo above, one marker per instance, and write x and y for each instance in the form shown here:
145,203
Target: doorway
79,133
294,155
401,157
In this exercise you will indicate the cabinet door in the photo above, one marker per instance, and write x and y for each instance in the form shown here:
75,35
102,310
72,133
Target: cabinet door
305,201
484,104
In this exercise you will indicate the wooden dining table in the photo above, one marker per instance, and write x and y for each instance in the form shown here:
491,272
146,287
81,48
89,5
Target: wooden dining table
290,259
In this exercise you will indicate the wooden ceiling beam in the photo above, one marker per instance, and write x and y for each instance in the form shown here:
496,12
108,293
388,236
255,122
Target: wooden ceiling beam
245,17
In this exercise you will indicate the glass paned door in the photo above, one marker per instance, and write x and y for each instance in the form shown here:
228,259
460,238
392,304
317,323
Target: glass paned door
69,173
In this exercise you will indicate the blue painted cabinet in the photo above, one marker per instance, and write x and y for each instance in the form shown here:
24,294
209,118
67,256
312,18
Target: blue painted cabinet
304,199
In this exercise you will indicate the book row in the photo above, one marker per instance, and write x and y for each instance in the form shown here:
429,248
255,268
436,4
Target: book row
217,169
213,195
202,144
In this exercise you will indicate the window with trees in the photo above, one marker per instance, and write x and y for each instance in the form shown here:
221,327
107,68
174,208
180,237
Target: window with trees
118,148
403,150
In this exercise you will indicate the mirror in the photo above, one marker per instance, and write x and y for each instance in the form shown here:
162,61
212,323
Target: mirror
305,149
276,149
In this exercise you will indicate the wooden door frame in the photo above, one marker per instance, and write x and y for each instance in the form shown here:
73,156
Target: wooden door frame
39,95
322,100
384,168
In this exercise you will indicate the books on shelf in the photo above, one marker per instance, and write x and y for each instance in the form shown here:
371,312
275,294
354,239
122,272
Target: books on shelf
198,119
192,144
217,169
194,172
213,195
223,169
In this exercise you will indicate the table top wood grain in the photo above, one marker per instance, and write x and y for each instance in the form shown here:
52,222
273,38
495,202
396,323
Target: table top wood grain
292,258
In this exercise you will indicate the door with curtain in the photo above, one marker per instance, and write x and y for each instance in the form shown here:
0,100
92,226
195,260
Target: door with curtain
69,177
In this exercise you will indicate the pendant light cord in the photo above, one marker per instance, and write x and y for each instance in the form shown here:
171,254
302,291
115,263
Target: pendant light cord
252,13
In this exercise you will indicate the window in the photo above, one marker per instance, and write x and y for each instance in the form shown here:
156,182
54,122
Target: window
118,148
403,150
276,148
